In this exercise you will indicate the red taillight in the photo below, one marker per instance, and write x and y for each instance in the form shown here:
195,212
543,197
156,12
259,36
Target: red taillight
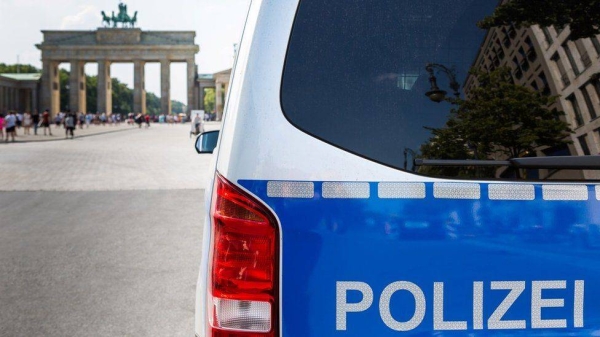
243,274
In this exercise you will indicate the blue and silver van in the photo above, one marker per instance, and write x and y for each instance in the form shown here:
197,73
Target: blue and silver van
406,168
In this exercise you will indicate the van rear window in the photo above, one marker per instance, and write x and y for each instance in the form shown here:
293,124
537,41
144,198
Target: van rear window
403,82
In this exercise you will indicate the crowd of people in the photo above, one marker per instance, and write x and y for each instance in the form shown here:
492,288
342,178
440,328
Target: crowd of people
32,122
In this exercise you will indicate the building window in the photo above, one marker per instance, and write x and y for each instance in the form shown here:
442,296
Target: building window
561,69
506,39
583,53
576,110
584,145
500,53
596,44
596,85
588,102
571,59
512,32
531,55
407,81
546,87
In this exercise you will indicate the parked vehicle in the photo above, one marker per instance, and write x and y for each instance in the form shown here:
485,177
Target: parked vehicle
330,214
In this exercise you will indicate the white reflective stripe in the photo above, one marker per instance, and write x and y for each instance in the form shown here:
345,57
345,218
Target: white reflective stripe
250,316
597,192
346,190
290,189
565,192
511,192
401,190
456,191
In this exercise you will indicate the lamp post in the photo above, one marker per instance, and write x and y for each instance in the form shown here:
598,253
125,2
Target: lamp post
435,93
408,151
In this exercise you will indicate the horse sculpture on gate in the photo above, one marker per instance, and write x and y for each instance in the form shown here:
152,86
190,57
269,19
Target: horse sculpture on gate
105,19
122,17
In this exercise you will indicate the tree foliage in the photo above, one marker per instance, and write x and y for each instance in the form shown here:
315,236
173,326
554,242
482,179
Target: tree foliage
209,100
498,120
582,16
21,68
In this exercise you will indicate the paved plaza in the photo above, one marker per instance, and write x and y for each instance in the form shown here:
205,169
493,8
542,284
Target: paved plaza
160,157
101,235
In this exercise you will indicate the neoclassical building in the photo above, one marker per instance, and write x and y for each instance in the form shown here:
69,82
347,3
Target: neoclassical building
19,92
104,46
220,83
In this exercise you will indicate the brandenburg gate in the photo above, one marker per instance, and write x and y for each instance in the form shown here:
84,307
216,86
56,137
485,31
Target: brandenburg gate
114,45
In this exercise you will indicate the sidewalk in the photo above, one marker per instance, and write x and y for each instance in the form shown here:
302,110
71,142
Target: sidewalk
58,133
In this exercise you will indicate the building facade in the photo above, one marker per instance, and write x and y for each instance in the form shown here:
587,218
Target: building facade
220,83
546,60
19,92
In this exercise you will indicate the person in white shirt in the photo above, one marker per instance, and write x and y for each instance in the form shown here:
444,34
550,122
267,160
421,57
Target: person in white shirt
11,124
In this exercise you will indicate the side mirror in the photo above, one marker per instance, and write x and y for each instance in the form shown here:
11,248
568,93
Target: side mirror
207,141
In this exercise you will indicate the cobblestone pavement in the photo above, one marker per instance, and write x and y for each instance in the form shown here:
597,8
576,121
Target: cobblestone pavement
160,157
101,235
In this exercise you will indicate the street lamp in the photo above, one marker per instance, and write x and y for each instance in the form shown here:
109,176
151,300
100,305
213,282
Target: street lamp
436,94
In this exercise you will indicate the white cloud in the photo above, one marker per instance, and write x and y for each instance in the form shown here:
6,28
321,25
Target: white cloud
87,14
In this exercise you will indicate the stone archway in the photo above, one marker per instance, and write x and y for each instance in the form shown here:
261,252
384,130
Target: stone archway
110,45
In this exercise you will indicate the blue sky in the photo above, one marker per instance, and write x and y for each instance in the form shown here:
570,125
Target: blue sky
218,25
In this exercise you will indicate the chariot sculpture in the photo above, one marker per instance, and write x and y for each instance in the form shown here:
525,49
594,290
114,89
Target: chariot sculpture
123,18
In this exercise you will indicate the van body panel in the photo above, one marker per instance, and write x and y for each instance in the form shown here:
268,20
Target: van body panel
379,240
346,220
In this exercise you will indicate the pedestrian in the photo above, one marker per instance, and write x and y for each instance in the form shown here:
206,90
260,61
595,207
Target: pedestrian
147,118
19,120
197,124
138,120
70,125
58,119
27,121
1,126
46,122
81,118
11,124
35,119
88,120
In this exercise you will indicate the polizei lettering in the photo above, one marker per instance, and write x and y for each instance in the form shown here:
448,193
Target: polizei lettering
544,295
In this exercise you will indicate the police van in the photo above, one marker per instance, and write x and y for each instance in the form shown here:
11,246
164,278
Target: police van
390,168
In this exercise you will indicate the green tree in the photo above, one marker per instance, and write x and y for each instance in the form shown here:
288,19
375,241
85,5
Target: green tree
63,77
91,93
582,16
499,119
21,68
152,104
209,100
178,107
122,97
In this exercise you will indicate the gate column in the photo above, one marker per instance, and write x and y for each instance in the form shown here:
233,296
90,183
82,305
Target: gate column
77,85
165,86
50,87
104,87
139,87
191,85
